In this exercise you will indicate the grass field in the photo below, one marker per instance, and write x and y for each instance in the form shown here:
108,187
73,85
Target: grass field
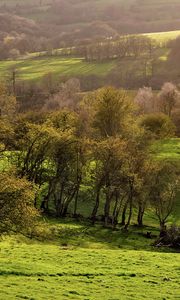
35,69
31,270
163,36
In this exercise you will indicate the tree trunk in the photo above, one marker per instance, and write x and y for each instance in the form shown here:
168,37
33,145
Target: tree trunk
130,215
163,229
95,209
59,202
107,209
66,205
76,202
123,218
140,216
115,212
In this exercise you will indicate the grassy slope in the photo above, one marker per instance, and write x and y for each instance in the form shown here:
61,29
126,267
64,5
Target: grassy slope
35,68
38,271
163,36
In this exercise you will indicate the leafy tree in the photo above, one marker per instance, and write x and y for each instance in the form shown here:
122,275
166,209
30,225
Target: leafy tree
17,213
7,102
163,191
112,112
159,125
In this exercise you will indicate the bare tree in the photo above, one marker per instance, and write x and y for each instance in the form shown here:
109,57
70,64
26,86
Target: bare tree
168,97
145,100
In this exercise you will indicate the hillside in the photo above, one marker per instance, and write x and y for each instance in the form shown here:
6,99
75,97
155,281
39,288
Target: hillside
39,270
94,72
60,23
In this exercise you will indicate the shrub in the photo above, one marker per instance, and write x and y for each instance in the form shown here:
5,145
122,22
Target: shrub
17,212
158,124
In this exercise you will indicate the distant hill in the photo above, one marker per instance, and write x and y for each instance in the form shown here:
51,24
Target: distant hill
57,23
11,23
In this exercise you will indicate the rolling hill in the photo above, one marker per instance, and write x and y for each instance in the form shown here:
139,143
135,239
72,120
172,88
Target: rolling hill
58,23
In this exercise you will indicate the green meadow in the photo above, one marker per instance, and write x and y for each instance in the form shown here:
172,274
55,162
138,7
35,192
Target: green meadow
163,36
42,271
35,69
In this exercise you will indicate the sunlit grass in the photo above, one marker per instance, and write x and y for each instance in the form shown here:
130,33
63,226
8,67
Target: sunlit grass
167,149
35,69
163,36
38,271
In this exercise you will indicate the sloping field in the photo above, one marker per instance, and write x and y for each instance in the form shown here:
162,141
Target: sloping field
163,36
34,69
42,271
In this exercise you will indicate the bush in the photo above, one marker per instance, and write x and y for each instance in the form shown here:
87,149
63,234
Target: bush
158,124
17,212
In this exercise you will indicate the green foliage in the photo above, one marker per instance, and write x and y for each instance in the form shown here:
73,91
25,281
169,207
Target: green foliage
159,125
164,186
16,202
112,112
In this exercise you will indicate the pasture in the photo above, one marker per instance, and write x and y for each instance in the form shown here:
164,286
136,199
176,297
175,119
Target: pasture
163,36
35,69
37,271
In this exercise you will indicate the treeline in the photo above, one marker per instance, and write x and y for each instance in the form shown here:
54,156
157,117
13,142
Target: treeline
122,47
97,153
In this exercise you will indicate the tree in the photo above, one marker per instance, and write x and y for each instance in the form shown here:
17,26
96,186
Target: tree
34,143
108,177
14,53
119,151
163,191
145,100
159,125
112,111
7,102
66,96
168,98
17,213
7,112
67,159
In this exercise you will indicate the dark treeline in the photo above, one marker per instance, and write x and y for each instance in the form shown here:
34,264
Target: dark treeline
95,153
125,46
